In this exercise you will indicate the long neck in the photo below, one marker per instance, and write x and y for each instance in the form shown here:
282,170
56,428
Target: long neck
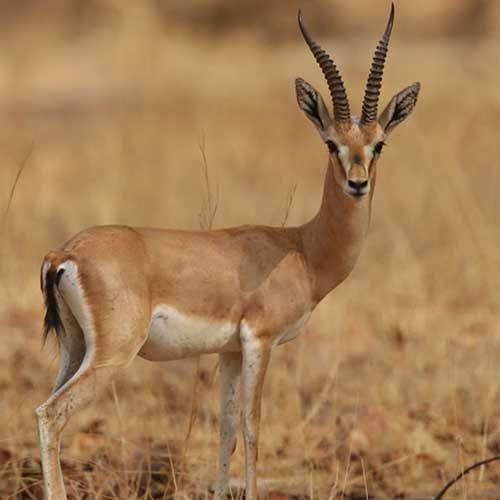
333,238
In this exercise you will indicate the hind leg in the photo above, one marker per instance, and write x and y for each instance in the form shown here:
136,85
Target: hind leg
53,415
74,393
95,343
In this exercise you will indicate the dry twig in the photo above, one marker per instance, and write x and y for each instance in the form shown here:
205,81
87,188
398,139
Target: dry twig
440,495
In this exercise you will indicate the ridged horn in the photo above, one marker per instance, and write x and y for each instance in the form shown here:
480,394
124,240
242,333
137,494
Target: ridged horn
340,103
374,83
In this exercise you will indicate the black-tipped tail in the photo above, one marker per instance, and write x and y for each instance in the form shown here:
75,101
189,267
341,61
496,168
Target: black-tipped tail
52,319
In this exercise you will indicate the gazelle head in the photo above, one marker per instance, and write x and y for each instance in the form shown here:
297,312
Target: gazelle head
354,143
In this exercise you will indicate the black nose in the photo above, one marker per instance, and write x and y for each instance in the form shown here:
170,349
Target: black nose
357,185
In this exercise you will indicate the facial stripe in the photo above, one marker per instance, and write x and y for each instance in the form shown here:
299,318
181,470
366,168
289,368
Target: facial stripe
343,157
368,150
357,159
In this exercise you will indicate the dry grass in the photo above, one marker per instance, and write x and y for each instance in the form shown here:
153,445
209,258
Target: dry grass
395,385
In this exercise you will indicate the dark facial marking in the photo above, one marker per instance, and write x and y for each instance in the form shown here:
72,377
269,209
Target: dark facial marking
332,147
378,147
357,160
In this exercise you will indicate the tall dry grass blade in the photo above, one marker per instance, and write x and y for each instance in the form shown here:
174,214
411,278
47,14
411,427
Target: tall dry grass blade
194,407
322,398
346,474
172,471
365,482
119,415
19,172
210,202
311,484
289,201
476,225
209,206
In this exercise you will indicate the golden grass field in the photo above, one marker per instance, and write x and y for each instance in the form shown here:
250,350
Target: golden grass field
395,386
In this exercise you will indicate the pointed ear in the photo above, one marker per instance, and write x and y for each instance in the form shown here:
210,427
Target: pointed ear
399,108
312,104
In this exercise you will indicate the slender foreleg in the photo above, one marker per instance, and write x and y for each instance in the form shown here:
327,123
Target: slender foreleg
230,373
256,354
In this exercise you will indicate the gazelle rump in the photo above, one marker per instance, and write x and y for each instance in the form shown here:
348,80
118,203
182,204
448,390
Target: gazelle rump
115,292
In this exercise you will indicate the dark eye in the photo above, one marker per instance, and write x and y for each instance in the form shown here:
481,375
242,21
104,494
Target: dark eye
378,147
332,147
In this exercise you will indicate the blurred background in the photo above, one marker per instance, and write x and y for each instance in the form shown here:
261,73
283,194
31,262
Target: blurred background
107,110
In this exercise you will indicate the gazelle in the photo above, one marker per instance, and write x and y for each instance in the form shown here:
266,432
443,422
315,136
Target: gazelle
115,292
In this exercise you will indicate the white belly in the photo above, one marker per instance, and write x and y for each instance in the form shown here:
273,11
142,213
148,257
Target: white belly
173,335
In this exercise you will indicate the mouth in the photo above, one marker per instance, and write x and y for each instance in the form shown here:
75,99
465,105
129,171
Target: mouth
356,193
